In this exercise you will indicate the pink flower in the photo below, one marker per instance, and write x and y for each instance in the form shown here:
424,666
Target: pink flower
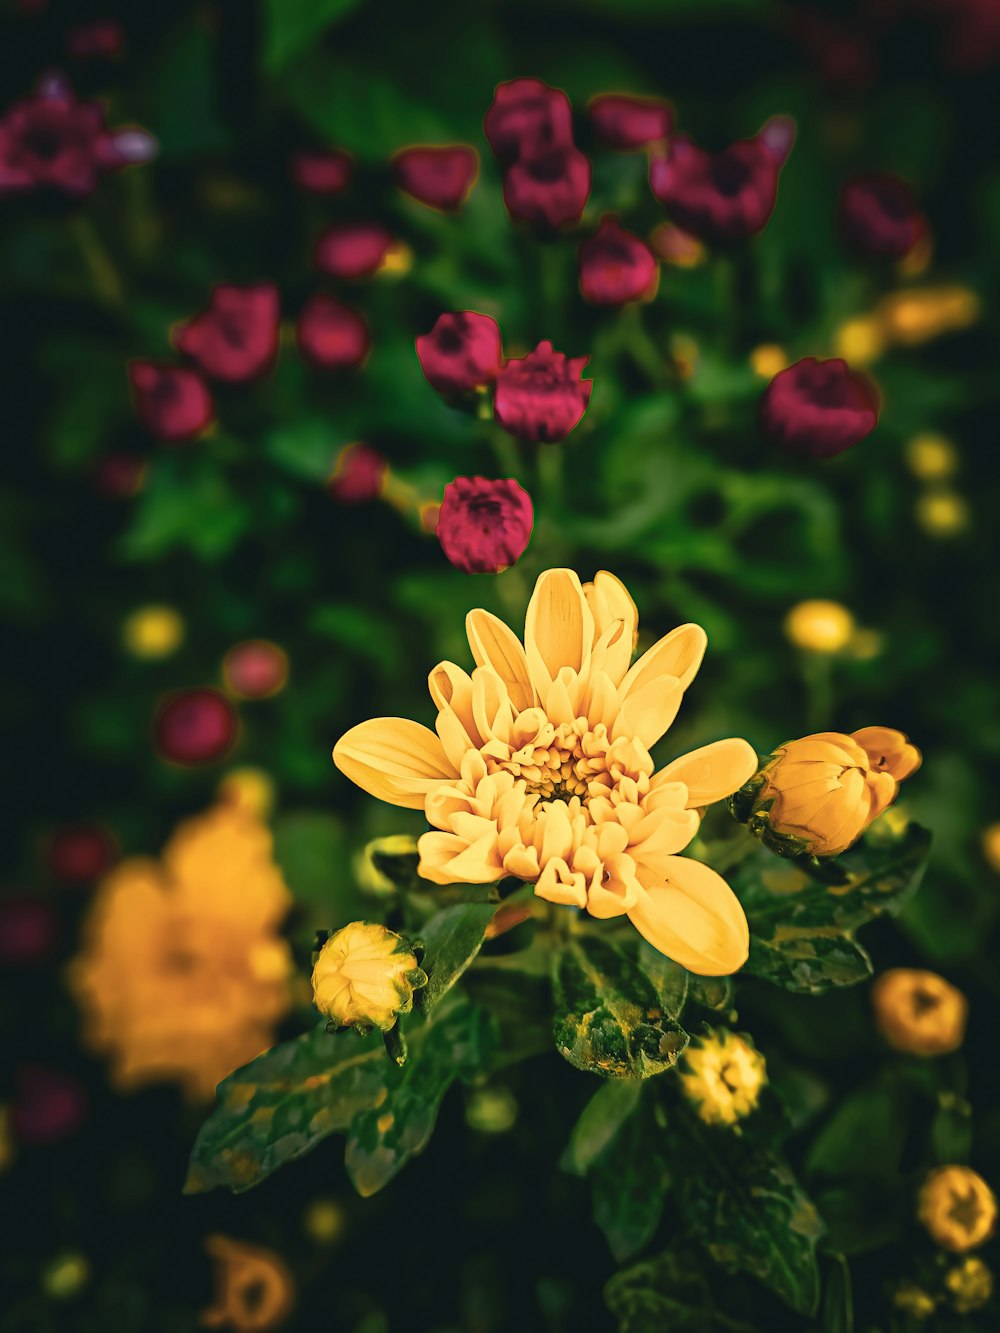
616,266
484,526
331,335
255,669
528,118
100,39
353,249
629,122
817,409
550,190
358,476
542,396
879,216
461,352
727,196
322,171
172,402
194,727
236,338
438,177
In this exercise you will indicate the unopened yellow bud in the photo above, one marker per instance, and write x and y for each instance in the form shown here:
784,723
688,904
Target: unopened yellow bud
819,626
767,359
859,341
365,977
957,1207
970,1285
251,789
919,1012
722,1075
931,457
942,513
152,632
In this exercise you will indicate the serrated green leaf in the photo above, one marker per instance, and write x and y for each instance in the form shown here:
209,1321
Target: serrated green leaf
452,939
808,962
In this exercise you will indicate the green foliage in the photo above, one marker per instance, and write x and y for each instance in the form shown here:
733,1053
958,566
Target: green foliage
293,25
451,941
670,1291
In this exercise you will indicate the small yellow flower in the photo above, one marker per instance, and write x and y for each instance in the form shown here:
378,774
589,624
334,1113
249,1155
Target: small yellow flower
324,1221
385,865
957,1207
991,846
931,457
722,1075
397,260
942,513
859,341
767,359
152,632
913,1300
251,789
917,315
970,1284
919,1012
66,1276
254,1290
365,977
819,626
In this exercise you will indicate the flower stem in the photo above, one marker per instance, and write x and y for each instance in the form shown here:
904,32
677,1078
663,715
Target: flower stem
104,274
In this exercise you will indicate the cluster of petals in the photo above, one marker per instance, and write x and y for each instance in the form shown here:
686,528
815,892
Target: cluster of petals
817,409
236,338
616,267
322,170
540,768
626,123
173,403
547,178
330,334
879,216
441,177
484,526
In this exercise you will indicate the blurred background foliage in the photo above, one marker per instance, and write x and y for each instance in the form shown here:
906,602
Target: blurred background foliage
665,482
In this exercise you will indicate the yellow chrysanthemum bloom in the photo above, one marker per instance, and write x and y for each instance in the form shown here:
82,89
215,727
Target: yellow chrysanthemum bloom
254,1289
540,770
365,977
919,1012
970,1285
183,974
819,626
957,1207
722,1074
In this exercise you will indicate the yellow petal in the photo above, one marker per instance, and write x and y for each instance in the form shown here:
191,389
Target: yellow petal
558,628
888,751
695,919
648,711
712,772
393,759
678,653
494,644
610,602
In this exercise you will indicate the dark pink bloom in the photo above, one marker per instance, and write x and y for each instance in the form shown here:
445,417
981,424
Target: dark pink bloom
236,338
461,352
484,526
255,669
542,397
629,122
28,930
550,190
331,335
172,402
194,727
879,216
528,118
100,39
727,196
353,249
322,171
616,266
48,1105
816,409
438,177
81,852
358,476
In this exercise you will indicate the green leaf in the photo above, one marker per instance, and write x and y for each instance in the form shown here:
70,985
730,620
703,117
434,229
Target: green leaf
863,1138
600,1121
808,962
188,504
628,1184
669,1292
669,979
451,940
609,1019
293,25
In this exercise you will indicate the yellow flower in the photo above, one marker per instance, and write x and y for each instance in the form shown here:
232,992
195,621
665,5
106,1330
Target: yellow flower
991,846
919,1012
183,974
824,790
914,1300
324,1221
942,513
541,770
722,1075
767,359
931,457
254,1291
917,315
859,341
819,626
957,1207
153,631
250,788
970,1285
365,977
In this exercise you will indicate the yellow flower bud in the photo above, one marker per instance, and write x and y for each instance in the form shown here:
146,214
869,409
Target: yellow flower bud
919,1012
385,865
970,1285
931,457
365,977
819,626
991,846
152,632
722,1075
957,1207
859,341
942,513
767,359
913,1300
920,314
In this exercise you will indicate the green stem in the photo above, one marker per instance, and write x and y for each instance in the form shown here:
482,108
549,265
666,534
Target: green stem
817,672
506,452
727,312
101,267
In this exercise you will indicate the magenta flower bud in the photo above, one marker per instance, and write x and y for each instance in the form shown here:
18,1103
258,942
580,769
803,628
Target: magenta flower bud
461,352
332,336
528,118
194,727
236,338
28,930
542,396
549,191
320,171
172,402
48,1105
616,266
438,177
817,409
80,853
358,476
100,39
629,122
879,216
484,526
353,249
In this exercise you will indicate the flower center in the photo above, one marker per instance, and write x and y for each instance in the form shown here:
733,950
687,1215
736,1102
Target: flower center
560,763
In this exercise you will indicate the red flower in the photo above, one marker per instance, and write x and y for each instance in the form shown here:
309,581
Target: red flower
322,171
461,352
81,852
816,409
549,190
484,526
616,266
331,335
727,196
358,476
438,177
879,216
542,396
255,669
48,1105
28,930
194,727
528,118
99,39
172,402
236,338
629,122
353,249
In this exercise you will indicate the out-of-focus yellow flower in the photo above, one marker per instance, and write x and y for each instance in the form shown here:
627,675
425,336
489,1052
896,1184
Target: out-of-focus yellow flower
913,1300
722,1074
918,258
859,341
920,314
991,846
931,457
540,769
970,1284
819,626
183,974
386,865
65,1276
251,789
324,1221
865,644
767,359
491,1109
365,977
254,1290
397,260
919,1012
819,794
957,1207
153,631
942,513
